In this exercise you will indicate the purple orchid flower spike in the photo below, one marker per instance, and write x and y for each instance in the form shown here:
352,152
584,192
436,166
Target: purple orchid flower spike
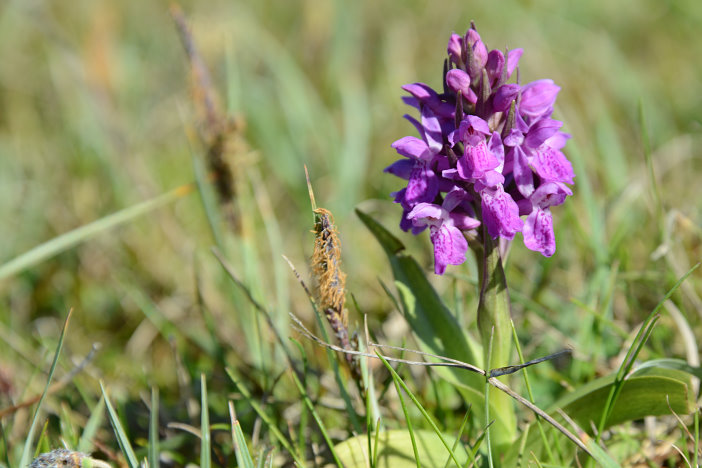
493,157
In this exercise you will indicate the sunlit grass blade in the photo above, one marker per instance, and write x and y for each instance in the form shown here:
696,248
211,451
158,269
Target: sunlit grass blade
488,421
26,450
72,238
266,419
458,437
421,409
317,418
205,443
376,452
43,445
542,432
69,433
408,420
85,444
241,450
697,445
154,449
122,438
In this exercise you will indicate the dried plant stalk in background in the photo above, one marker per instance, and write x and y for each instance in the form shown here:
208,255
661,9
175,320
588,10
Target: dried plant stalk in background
217,130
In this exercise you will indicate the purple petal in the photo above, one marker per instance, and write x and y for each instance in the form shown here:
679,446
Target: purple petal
416,125
401,168
450,247
458,80
538,98
422,185
523,176
406,224
432,130
414,148
525,207
410,101
500,213
454,48
463,221
550,194
454,198
427,97
513,57
504,96
494,66
479,55
551,164
426,213
399,196
471,130
515,138
538,232
476,161
422,92
451,174
558,140
491,179
541,131
496,147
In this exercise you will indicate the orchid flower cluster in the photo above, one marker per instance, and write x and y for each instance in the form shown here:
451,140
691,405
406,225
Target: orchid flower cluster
488,152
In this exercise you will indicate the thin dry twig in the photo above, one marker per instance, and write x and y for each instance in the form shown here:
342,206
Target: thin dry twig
457,364
55,386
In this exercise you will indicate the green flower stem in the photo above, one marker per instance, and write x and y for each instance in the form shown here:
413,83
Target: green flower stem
494,308
494,327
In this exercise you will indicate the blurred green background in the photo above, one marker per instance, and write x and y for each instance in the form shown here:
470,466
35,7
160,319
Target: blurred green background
95,112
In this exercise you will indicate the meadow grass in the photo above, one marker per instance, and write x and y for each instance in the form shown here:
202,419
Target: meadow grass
109,209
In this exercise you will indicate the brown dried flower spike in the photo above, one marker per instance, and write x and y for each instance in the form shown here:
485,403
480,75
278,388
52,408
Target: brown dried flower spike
331,284
326,266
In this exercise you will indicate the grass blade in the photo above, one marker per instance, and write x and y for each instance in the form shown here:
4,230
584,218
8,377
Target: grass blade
241,450
266,419
542,433
407,418
420,407
458,438
154,450
122,438
24,461
317,418
205,444
85,444
72,238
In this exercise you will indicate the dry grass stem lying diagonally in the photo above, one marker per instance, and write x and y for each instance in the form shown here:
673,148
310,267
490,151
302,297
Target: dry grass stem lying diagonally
448,362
